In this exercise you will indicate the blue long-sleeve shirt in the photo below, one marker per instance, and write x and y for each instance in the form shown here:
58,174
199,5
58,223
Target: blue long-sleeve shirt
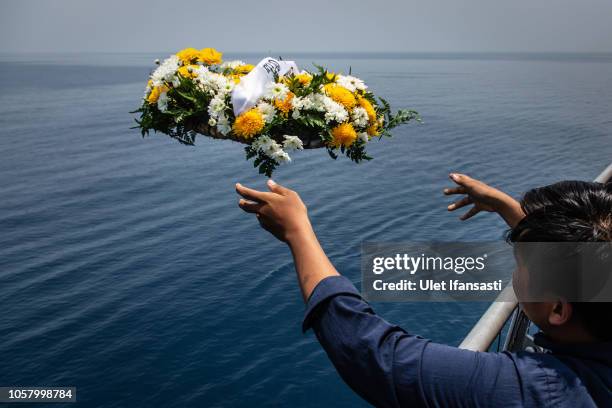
389,367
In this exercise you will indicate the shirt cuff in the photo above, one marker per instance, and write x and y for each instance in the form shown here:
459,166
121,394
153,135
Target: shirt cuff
326,289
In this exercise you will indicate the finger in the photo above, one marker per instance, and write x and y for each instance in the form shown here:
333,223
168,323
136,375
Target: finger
460,203
472,212
250,206
455,190
277,188
251,194
460,179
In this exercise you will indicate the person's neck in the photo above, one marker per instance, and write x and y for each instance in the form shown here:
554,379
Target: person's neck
571,336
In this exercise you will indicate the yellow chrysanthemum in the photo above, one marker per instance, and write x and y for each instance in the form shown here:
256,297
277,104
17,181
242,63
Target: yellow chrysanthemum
304,78
249,123
284,105
244,69
209,56
155,93
372,130
365,104
341,95
344,135
188,55
331,76
188,71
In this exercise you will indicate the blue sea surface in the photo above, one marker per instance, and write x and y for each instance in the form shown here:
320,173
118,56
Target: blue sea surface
128,271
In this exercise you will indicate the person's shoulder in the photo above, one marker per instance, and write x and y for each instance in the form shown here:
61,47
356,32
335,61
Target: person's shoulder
550,380
538,364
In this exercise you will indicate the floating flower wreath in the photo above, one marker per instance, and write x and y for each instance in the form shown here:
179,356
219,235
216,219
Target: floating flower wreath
272,107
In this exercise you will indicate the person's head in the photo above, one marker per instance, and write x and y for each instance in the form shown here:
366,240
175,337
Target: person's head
569,211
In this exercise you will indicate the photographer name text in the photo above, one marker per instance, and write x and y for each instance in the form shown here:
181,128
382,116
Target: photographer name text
452,285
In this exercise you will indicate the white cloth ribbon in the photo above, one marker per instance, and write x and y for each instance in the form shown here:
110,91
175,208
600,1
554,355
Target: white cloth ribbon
253,85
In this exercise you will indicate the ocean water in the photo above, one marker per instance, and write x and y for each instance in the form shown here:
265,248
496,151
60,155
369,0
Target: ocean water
128,271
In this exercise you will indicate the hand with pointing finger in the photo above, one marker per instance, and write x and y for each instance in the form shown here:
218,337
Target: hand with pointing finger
484,198
279,211
282,212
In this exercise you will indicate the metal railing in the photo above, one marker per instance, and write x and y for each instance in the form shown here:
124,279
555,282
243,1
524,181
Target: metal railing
605,175
491,323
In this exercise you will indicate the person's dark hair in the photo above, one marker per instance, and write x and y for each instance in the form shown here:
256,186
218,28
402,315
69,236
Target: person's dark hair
571,211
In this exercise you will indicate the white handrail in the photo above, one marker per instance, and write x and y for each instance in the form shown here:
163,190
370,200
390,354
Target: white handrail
491,322
605,175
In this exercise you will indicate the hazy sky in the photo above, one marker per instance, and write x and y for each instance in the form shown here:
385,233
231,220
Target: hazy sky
307,25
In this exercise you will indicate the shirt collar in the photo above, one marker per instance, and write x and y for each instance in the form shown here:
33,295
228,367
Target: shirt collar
601,351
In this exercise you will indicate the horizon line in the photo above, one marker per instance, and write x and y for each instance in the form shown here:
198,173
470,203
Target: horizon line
310,52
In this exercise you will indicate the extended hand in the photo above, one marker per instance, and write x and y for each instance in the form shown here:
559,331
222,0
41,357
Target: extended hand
280,211
484,198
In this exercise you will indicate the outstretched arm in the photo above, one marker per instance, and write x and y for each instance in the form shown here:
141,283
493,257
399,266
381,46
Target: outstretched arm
381,362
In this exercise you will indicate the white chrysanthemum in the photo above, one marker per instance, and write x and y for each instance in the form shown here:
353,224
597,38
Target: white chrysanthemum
314,102
212,122
280,156
333,110
301,103
271,148
297,103
266,145
267,111
162,102
220,82
351,83
276,91
337,115
292,143
260,141
231,64
201,72
212,82
216,106
227,87
223,125
166,71
319,102
360,117
363,137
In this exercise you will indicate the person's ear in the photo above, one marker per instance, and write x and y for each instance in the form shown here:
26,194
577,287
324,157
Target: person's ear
560,313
